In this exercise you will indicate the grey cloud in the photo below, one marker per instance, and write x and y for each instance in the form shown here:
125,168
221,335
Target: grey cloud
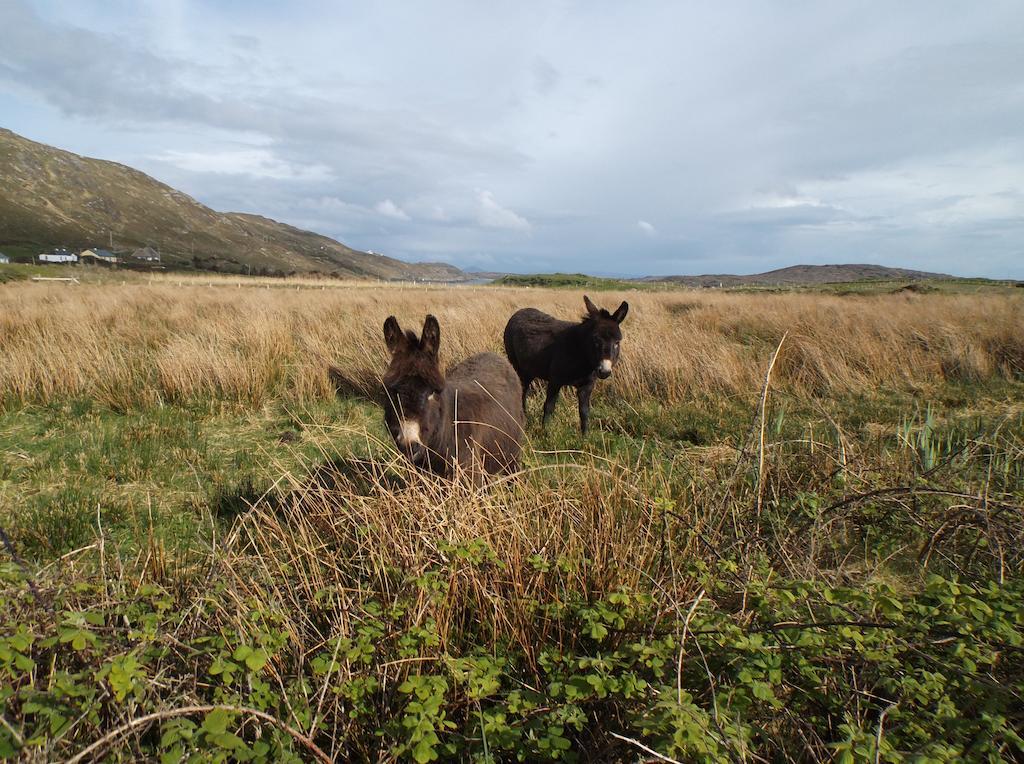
746,137
922,101
246,42
85,73
545,76
788,215
135,84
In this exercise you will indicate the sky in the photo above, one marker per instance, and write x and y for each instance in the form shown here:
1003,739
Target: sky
642,138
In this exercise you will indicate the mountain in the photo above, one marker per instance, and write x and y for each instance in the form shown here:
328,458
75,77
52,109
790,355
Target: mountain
52,197
804,275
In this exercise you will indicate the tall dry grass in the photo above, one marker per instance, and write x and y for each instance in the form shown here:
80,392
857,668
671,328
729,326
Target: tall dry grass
140,344
339,542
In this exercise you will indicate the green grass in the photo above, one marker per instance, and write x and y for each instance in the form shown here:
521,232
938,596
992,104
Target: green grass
569,281
65,469
887,286
168,470
23,253
251,558
862,287
20,272
25,270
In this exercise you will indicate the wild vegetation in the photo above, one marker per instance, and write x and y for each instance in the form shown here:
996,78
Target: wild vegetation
794,532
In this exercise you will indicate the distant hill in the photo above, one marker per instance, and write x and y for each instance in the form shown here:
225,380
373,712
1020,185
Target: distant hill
804,275
52,197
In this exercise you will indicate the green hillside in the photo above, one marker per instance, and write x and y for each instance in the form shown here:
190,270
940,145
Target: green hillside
52,197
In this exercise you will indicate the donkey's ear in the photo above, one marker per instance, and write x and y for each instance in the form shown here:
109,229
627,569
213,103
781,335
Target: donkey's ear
620,312
393,334
430,341
591,308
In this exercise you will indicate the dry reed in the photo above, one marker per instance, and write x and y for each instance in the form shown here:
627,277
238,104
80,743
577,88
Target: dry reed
141,344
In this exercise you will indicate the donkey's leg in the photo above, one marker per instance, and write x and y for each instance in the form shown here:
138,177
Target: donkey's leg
584,395
550,401
526,382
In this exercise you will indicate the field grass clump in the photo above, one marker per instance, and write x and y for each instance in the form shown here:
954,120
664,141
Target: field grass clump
147,344
224,560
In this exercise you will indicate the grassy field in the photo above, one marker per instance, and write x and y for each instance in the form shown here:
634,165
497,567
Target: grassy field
573,281
795,533
581,281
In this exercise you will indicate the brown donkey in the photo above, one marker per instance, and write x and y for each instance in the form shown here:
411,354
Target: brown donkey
473,418
564,353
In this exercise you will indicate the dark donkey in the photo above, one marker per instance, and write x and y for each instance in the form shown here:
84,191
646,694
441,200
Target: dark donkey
563,353
473,418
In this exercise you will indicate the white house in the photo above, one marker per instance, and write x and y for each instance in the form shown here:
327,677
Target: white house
59,255
4,259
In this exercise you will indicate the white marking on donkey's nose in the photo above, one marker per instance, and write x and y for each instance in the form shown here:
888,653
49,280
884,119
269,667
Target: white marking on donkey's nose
409,432
606,366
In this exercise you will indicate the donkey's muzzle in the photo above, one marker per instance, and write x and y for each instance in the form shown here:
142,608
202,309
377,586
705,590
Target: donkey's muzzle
415,452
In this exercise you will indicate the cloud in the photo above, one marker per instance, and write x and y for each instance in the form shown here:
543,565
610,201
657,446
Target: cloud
143,85
781,201
389,209
437,213
545,76
490,214
256,162
783,210
901,142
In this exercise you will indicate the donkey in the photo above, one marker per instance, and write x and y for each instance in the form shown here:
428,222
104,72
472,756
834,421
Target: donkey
563,353
473,418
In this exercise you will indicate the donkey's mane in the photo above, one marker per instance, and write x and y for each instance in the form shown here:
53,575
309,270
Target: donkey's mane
591,317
